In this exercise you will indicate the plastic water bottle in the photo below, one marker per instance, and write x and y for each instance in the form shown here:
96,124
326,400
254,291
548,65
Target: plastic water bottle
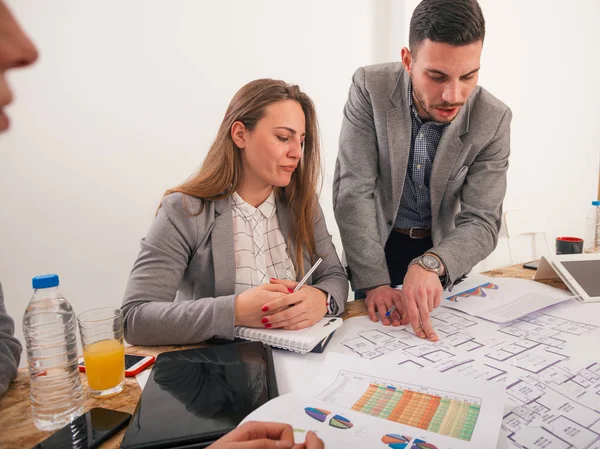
592,237
50,328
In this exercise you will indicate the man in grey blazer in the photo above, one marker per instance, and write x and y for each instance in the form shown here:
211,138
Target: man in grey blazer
16,50
421,170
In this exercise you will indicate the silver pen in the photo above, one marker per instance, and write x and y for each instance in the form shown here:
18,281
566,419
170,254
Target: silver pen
307,275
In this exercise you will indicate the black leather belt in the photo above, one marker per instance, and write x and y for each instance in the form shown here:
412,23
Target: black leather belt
414,233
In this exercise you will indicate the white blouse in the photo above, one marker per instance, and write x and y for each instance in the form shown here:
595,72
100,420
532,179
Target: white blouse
260,248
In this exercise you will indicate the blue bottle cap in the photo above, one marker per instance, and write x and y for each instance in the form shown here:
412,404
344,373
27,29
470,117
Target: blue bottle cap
595,203
45,281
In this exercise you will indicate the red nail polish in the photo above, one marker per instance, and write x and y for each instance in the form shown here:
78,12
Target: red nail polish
272,279
291,290
265,309
268,325
264,320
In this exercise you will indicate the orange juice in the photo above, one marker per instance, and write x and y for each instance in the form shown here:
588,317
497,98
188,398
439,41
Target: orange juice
104,364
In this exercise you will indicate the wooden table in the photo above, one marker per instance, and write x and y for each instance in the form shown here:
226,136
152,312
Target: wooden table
16,425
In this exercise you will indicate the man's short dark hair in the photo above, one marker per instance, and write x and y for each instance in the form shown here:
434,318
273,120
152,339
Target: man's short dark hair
454,22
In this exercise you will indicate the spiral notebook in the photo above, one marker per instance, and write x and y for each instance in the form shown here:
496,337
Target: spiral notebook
302,341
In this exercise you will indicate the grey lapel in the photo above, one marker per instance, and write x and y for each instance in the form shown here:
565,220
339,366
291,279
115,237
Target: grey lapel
399,131
445,157
222,249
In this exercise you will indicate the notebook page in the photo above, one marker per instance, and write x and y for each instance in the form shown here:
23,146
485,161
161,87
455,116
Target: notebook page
302,340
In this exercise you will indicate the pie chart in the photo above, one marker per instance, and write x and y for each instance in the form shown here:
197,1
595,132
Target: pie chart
422,444
396,441
317,413
339,422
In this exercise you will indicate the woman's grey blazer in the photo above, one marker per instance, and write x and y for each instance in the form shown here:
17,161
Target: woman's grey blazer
181,288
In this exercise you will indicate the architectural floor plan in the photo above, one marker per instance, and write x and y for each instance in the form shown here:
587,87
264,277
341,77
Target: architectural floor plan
553,399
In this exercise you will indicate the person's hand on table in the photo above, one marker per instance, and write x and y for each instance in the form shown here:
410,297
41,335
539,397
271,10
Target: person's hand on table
248,304
422,292
265,435
297,310
311,441
380,300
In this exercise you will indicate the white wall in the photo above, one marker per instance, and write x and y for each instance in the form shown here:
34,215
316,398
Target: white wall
123,104
127,96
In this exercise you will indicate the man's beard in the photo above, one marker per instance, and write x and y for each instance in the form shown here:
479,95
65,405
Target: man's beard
418,98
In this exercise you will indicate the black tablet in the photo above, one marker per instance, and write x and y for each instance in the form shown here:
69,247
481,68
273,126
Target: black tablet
195,396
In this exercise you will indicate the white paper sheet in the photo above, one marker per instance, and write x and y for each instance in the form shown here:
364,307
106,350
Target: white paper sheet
417,410
432,400
142,377
350,429
502,299
532,344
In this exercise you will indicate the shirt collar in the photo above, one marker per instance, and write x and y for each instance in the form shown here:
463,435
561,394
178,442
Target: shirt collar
266,209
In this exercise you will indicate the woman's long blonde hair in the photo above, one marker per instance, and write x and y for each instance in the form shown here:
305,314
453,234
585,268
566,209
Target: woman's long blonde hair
221,172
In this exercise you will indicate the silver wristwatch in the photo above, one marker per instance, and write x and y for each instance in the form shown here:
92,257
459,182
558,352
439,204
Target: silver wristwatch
429,262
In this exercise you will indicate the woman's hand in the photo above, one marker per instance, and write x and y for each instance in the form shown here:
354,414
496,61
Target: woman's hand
249,304
295,310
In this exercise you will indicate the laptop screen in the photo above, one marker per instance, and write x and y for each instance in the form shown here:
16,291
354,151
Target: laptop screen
198,395
585,272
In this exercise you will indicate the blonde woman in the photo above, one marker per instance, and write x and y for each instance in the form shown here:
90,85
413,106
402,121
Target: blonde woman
228,246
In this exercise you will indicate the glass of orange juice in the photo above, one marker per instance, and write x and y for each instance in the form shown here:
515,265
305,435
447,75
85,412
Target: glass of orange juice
103,351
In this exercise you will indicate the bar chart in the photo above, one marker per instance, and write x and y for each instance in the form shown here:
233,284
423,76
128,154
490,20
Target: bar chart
449,416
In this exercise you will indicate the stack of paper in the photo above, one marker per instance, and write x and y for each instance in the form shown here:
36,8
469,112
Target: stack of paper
501,299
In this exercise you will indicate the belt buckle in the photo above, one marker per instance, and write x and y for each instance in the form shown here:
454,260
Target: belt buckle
410,232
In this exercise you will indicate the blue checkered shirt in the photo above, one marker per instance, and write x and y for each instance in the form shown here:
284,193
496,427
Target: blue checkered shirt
415,204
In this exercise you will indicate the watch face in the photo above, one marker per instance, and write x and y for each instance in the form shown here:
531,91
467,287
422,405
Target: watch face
430,262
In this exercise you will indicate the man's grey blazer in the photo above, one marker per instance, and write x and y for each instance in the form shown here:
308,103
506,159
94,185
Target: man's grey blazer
468,178
181,288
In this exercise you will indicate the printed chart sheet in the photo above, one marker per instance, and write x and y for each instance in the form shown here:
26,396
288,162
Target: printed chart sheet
359,403
502,299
